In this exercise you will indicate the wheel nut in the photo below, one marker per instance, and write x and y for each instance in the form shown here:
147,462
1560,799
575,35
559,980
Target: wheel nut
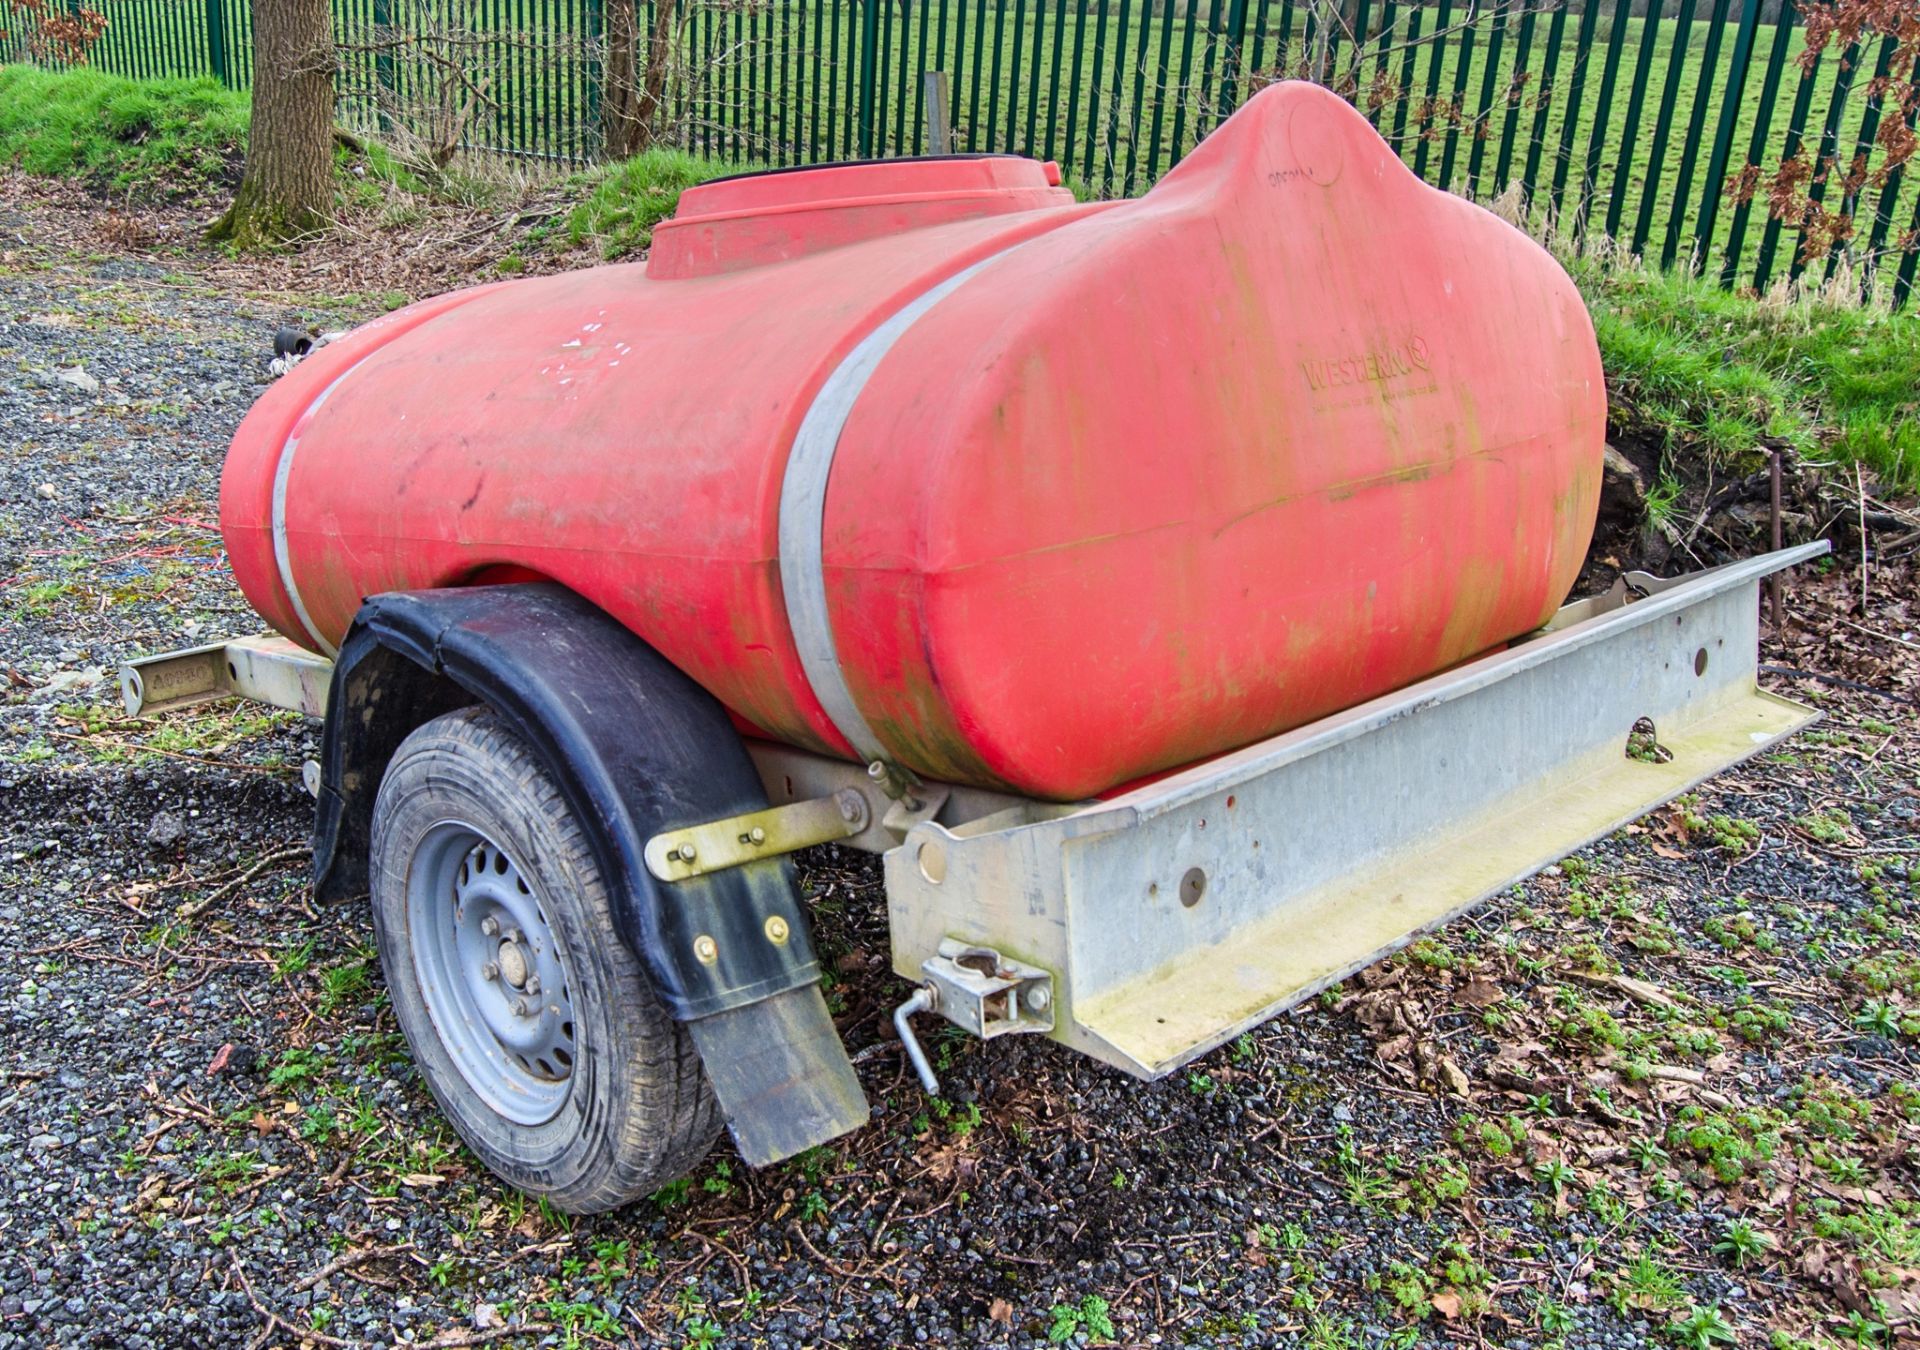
533,985
519,1007
490,971
490,926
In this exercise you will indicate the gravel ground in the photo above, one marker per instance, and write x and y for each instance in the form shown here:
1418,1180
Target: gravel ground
1664,1094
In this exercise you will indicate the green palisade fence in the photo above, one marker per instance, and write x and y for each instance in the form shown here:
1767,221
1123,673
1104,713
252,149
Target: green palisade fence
1624,118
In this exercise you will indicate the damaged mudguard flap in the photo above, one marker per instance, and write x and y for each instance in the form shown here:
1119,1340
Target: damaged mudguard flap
780,1074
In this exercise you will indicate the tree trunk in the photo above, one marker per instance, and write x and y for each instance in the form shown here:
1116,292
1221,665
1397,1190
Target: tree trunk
631,100
287,188
620,89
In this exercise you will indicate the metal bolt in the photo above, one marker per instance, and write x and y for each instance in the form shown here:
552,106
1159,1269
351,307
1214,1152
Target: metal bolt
1038,997
777,930
687,853
490,926
490,971
756,835
706,949
520,1008
533,985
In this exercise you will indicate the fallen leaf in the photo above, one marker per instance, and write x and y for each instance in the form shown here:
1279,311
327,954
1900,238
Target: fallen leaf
1447,1304
1000,1311
419,1180
1642,992
1452,1076
1478,993
220,1059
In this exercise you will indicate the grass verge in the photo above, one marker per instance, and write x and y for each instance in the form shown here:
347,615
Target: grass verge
177,137
1700,368
627,200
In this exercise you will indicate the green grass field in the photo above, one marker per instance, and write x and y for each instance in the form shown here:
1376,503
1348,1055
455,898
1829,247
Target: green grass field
1117,94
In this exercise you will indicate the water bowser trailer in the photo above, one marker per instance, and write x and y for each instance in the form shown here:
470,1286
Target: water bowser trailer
1170,591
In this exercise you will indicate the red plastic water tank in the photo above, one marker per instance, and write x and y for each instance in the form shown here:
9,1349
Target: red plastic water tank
922,460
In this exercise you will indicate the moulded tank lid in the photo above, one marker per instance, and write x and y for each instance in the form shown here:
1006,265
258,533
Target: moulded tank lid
749,220
852,180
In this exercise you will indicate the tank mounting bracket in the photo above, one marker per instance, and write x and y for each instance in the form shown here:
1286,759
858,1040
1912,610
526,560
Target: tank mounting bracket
715,845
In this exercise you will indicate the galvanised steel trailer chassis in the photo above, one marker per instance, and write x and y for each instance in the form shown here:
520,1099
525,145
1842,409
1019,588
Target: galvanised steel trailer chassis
1150,926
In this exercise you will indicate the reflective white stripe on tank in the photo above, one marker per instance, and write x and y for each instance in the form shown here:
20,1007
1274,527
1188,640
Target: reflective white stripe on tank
803,511
281,473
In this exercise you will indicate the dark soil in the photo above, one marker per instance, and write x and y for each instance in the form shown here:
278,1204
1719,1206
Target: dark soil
1666,1093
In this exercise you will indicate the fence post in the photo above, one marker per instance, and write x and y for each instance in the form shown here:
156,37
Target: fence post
596,73
217,40
939,132
869,55
383,63
1230,67
1723,137
1757,147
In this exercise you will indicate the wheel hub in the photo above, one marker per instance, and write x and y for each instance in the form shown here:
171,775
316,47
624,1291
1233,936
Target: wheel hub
491,973
514,968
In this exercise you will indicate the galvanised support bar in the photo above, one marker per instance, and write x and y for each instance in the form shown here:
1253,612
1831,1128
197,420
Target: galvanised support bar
1175,916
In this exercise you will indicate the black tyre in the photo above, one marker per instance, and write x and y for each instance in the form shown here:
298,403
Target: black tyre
530,1020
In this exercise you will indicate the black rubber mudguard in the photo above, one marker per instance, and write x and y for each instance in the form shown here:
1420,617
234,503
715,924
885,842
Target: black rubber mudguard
637,747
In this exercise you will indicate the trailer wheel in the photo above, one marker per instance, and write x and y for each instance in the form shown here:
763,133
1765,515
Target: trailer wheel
532,1023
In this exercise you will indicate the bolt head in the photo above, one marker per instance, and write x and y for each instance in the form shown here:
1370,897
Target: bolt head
520,1007
777,930
688,852
757,835
490,926
490,971
533,985
1038,997
706,949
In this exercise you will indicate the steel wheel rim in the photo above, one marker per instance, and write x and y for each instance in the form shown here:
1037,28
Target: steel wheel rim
491,973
